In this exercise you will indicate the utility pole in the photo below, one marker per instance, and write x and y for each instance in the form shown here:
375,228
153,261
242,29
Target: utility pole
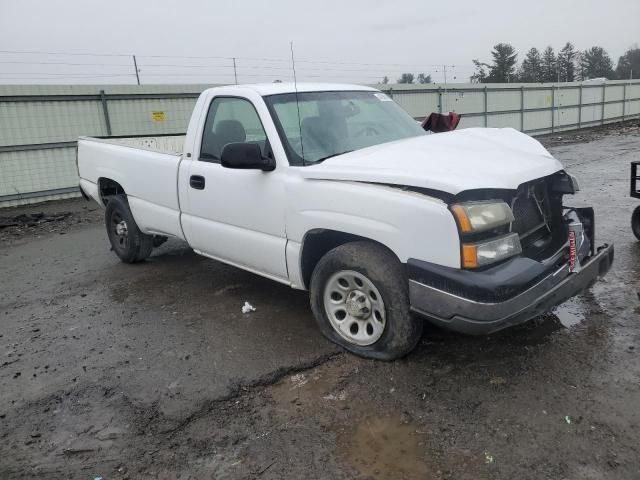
135,65
558,89
446,98
235,71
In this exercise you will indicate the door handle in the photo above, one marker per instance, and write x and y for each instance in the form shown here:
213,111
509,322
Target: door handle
197,182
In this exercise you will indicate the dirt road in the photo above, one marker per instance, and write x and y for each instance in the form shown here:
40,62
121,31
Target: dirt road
152,371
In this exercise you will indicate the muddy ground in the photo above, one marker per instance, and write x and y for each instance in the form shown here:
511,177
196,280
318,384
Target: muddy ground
152,371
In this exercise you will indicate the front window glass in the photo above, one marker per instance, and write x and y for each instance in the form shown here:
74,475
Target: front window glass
230,120
331,123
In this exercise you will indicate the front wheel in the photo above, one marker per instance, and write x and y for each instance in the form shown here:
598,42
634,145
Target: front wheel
635,222
127,241
360,299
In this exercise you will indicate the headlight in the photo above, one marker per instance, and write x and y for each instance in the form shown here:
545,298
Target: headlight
482,253
574,183
481,216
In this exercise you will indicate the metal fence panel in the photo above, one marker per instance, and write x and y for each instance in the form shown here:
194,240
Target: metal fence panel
613,111
472,121
568,96
44,122
540,98
537,120
40,124
149,117
503,120
499,101
462,101
566,116
25,173
614,93
417,104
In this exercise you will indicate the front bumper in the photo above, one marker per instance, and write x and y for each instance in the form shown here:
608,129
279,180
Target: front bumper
455,309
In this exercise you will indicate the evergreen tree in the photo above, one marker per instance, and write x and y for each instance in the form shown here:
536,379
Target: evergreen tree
596,63
406,78
549,65
566,63
422,78
531,68
629,64
502,70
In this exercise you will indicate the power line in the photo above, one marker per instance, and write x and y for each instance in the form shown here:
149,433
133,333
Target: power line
70,76
67,74
247,67
413,65
175,65
25,52
324,62
66,63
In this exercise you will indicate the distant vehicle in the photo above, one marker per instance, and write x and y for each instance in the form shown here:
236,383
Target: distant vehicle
635,193
595,81
337,190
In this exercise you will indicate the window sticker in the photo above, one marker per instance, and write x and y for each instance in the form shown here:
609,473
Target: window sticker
382,97
158,116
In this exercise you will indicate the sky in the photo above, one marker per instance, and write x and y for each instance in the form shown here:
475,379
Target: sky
195,41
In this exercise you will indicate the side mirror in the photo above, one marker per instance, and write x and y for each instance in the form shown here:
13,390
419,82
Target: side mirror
246,156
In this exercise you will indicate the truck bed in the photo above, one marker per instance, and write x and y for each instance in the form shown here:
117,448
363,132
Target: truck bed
171,144
145,167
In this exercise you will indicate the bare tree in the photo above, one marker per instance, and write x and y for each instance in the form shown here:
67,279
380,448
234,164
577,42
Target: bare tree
480,75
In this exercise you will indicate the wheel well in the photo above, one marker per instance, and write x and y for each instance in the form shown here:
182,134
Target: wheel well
317,243
109,188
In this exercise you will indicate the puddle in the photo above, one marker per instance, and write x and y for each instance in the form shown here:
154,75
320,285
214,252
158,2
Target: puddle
321,386
385,448
570,313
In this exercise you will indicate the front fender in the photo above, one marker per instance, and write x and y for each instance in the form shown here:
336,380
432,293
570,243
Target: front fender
410,224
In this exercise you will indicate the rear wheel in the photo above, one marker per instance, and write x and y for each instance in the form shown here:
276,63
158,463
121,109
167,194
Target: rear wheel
127,241
360,299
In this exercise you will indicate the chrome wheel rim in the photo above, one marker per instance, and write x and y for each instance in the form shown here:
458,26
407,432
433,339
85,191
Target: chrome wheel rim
354,307
120,231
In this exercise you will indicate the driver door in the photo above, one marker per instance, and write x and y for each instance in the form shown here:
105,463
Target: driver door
236,216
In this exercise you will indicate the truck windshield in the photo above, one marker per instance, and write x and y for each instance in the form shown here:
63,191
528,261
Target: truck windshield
332,123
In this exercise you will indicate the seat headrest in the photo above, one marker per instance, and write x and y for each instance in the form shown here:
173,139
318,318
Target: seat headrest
230,131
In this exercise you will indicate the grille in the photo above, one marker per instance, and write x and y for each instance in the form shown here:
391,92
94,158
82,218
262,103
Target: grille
532,212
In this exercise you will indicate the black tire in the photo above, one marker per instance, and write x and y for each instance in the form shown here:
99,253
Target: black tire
380,266
132,247
159,240
635,222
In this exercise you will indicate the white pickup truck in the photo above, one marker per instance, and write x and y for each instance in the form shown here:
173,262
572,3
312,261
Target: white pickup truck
337,190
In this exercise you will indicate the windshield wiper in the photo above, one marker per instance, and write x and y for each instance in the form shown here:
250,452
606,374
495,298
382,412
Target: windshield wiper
331,156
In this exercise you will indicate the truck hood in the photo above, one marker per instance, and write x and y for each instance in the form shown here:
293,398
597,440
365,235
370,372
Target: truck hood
450,162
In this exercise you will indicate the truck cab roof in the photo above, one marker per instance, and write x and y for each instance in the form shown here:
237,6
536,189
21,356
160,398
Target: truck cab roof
265,89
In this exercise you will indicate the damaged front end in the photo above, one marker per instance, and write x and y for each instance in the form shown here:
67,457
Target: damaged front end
555,258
